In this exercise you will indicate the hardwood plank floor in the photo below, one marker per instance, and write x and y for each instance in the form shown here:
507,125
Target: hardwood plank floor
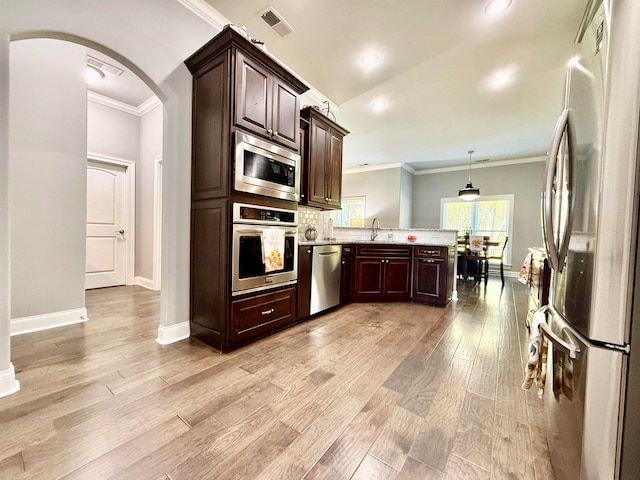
399,391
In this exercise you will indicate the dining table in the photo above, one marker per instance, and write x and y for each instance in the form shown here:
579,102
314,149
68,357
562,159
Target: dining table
472,262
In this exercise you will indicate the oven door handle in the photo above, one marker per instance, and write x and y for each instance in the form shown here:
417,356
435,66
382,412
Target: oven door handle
258,231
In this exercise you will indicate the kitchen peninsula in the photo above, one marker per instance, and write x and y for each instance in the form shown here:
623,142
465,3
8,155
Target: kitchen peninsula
396,265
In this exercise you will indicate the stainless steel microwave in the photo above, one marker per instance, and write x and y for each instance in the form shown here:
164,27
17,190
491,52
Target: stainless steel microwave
266,169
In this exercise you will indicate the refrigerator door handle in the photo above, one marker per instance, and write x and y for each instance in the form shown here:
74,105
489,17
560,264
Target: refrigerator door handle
547,197
569,349
571,179
556,254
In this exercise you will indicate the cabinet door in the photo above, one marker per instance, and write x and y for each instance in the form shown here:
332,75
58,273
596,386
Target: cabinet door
210,164
347,274
368,277
429,280
318,153
304,281
209,271
333,175
285,115
254,88
397,278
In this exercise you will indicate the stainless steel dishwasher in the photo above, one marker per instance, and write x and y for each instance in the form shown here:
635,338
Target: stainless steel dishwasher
325,277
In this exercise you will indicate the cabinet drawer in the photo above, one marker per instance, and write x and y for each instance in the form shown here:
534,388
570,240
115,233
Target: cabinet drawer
348,251
383,251
261,314
430,252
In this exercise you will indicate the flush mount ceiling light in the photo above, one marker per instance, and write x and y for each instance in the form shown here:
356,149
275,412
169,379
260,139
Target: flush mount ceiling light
94,74
379,105
370,59
496,7
468,192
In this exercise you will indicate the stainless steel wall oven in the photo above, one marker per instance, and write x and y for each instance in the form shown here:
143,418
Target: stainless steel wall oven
251,224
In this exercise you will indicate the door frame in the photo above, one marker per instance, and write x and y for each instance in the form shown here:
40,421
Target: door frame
130,208
157,223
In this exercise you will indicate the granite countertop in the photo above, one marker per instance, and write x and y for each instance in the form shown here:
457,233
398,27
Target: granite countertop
373,242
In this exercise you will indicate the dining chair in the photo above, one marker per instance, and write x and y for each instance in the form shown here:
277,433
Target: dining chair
497,257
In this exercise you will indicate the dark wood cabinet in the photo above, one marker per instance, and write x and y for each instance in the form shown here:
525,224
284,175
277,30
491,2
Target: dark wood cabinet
382,273
264,104
347,274
304,280
321,183
236,86
257,315
432,269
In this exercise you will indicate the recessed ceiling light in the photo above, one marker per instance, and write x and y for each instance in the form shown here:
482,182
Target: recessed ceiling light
496,7
94,74
370,59
379,105
501,78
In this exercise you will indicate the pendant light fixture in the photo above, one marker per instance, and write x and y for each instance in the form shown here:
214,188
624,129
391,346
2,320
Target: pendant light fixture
468,192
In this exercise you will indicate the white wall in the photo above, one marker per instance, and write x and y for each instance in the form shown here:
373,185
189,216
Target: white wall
47,176
112,132
150,148
382,191
8,383
406,198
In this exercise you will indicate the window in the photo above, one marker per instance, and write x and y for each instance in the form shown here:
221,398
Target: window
491,216
352,213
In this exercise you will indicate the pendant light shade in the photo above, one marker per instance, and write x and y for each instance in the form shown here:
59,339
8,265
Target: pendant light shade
469,192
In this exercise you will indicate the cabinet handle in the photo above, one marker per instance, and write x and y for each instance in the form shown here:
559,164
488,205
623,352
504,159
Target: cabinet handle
309,251
326,199
267,312
302,195
275,134
343,262
269,131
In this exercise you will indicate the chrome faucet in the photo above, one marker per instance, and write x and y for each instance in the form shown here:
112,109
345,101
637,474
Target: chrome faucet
375,226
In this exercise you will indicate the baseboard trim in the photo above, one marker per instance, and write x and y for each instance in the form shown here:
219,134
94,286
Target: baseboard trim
174,333
35,323
8,382
144,282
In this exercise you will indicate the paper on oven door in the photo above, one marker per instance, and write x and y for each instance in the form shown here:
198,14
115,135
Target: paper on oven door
273,249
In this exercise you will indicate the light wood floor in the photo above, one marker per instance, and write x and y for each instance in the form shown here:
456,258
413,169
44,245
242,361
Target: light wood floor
384,391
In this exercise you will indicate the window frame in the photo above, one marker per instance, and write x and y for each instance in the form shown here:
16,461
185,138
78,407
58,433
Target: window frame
509,197
354,198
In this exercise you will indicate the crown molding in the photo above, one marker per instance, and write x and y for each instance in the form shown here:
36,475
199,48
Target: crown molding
412,171
139,111
498,163
206,12
373,168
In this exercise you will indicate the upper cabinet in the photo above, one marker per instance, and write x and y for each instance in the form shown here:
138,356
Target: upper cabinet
264,104
321,184
262,96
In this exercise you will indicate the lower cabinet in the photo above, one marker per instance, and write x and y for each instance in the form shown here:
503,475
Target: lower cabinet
432,267
258,315
382,273
304,281
347,274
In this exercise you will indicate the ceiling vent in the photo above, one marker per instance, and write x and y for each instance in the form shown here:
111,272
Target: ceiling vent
105,67
275,21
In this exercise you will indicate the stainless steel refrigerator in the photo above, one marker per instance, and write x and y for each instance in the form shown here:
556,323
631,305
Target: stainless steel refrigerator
590,227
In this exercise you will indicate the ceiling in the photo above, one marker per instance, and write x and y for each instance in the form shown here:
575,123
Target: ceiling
437,59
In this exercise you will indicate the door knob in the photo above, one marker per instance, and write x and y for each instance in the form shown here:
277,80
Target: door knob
121,232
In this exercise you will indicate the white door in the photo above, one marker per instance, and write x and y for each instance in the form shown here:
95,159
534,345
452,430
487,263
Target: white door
106,220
